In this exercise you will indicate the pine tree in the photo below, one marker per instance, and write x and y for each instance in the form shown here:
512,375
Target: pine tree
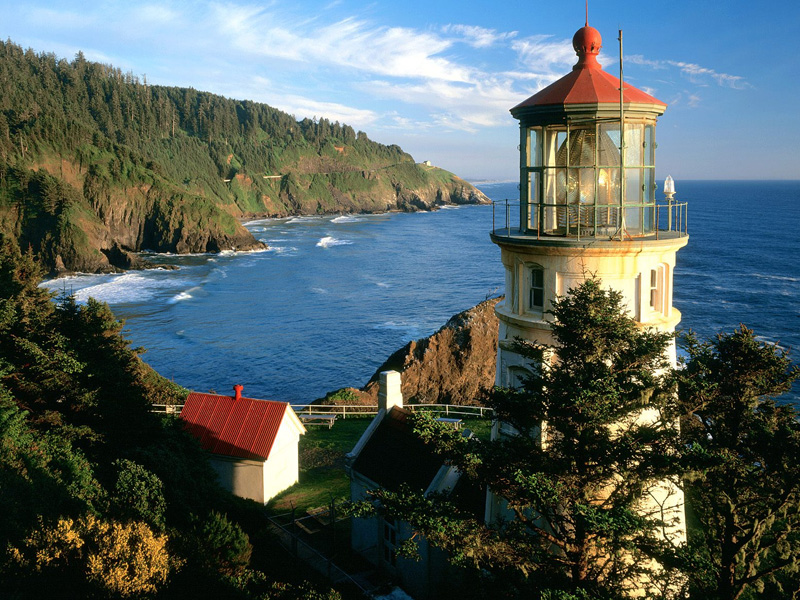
593,432
745,493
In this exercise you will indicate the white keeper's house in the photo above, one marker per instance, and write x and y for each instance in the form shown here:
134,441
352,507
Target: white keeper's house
253,443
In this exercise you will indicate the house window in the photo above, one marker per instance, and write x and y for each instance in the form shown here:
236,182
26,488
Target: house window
536,301
389,541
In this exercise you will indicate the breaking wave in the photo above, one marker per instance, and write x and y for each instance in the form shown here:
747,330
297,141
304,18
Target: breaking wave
329,241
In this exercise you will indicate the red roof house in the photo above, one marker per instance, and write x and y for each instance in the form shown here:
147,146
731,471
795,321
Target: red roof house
253,443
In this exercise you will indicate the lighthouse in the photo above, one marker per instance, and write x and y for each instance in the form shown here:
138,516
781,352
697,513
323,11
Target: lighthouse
588,209
587,206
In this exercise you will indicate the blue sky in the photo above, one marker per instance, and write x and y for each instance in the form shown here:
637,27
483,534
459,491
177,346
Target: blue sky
438,78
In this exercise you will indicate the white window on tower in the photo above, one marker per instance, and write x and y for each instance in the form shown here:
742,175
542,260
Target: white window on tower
659,289
536,299
655,298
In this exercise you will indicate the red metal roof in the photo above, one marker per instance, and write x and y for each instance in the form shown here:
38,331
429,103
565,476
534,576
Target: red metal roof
588,83
242,428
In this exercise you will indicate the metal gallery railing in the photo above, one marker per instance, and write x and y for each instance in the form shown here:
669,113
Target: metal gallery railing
597,221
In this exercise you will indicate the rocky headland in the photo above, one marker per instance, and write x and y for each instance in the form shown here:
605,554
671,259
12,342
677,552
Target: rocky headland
96,166
455,365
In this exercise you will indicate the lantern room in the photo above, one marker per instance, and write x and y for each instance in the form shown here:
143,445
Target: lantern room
587,154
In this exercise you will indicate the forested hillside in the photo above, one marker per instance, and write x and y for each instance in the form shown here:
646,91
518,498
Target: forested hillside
95,163
101,498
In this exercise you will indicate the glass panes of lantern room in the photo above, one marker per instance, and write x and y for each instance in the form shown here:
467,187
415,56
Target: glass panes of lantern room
572,179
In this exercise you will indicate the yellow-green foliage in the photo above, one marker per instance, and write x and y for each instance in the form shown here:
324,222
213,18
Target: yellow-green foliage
125,559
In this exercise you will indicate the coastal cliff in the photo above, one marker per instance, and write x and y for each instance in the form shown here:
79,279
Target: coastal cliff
97,165
452,366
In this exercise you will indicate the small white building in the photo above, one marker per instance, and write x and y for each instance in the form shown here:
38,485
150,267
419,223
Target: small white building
253,443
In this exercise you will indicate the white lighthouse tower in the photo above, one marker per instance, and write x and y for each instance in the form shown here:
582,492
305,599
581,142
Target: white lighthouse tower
587,209
587,205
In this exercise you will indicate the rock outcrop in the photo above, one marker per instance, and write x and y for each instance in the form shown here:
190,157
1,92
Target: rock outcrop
455,365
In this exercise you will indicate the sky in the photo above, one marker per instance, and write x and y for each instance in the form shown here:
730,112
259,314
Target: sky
438,78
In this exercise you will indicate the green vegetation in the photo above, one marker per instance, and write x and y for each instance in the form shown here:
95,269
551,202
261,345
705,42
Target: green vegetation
574,527
92,158
322,453
744,490
101,498
570,491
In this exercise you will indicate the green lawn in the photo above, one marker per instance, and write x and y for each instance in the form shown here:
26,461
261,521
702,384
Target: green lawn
322,453
322,475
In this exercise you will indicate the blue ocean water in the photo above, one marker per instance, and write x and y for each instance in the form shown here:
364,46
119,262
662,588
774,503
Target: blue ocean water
334,296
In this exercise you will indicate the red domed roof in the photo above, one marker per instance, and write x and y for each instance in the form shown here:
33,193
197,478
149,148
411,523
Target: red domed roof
588,83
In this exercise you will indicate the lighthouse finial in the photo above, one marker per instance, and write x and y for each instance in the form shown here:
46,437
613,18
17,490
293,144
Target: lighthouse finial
587,13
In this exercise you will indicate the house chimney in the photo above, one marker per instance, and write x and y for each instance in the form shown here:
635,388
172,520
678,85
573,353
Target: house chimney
237,392
389,394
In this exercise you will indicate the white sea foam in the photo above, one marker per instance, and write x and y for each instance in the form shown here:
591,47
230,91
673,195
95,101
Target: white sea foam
255,222
770,342
346,219
126,288
777,277
329,241
301,220
318,290
178,297
280,250
382,284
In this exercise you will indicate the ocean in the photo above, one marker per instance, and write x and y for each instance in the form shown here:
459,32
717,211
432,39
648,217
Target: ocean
334,296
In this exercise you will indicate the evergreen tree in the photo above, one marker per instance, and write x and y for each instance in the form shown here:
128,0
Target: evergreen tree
745,495
593,432
97,493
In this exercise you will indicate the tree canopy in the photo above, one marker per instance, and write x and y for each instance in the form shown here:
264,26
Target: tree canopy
100,497
743,488
94,161
591,431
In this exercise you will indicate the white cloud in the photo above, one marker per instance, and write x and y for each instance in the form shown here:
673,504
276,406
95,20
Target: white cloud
464,107
349,43
478,37
302,107
542,53
695,72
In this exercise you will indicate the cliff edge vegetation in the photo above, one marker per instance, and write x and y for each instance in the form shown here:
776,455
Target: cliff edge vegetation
96,163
